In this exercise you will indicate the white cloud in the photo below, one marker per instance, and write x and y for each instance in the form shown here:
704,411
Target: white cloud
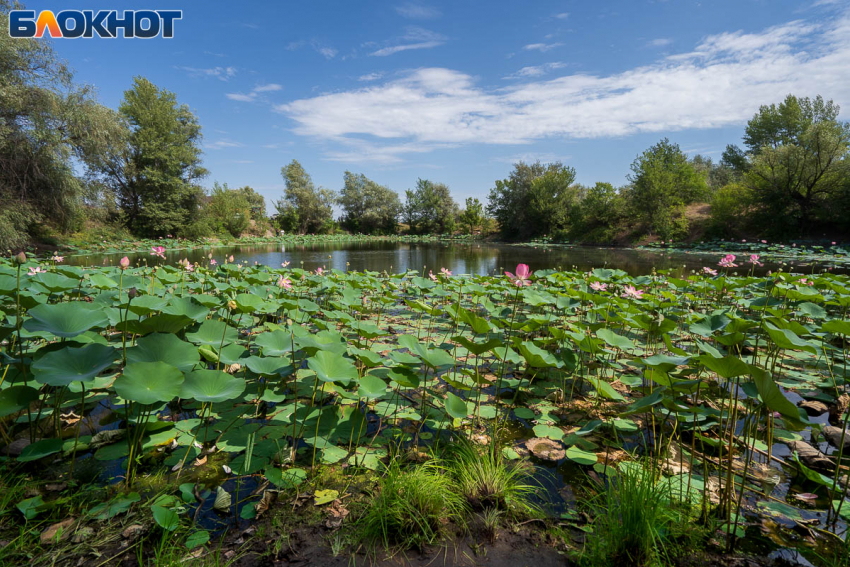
221,73
327,52
720,83
536,70
222,144
255,92
271,87
415,11
250,97
542,47
659,42
413,38
370,77
562,15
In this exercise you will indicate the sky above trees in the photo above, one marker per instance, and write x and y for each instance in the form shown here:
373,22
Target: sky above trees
458,91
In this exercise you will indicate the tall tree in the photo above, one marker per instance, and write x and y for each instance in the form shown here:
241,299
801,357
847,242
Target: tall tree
430,208
472,216
797,161
229,209
536,199
45,122
304,207
155,172
663,182
368,207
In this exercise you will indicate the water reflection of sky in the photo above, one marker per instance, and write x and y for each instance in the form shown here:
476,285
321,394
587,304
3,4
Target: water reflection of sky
474,258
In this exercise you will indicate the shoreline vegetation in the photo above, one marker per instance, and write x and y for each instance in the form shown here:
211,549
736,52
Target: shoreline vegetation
227,414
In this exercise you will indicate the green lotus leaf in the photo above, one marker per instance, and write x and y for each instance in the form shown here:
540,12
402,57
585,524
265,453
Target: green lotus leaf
212,386
67,319
164,347
61,367
149,382
332,367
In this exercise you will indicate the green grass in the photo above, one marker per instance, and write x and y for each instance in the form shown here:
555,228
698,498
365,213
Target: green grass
411,508
489,481
635,521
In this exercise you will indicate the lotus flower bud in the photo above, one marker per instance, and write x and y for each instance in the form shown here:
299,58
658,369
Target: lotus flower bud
124,263
132,292
20,258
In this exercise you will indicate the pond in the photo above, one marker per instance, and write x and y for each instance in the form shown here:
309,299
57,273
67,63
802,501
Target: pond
478,258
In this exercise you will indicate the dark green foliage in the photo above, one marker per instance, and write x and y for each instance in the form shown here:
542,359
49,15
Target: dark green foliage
664,181
368,207
46,121
304,207
430,209
155,175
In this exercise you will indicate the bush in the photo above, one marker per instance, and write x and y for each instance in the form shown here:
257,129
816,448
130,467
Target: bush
201,228
730,208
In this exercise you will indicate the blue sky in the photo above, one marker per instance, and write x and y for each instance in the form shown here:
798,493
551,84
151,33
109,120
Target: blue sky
457,91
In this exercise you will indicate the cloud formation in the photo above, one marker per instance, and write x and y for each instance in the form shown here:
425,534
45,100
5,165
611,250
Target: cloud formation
416,11
720,83
221,73
413,38
255,93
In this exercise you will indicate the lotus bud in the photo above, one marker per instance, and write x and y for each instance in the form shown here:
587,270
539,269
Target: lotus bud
132,292
20,258
124,263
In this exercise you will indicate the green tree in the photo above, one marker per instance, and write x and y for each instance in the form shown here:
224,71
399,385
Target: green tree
368,207
471,218
798,161
304,207
664,181
430,208
155,171
256,202
536,199
229,209
601,210
46,122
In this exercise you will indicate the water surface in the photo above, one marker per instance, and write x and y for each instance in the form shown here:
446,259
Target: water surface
478,258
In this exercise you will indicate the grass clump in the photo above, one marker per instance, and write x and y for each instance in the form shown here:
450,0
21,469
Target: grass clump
489,481
637,519
411,507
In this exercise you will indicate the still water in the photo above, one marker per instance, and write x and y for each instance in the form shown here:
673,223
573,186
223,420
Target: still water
471,258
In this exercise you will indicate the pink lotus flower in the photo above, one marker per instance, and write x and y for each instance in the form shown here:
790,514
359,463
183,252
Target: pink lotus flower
169,236
124,263
445,272
728,262
36,270
58,258
320,271
754,260
709,271
284,282
743,240
764,241
213,262
521,277
631,291
158,251
285,264
230,259
598,286
833,243
432,276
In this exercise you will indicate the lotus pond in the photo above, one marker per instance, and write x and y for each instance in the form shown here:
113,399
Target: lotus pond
151,413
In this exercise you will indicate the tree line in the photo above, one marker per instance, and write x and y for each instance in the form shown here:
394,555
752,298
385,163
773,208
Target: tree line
68,163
